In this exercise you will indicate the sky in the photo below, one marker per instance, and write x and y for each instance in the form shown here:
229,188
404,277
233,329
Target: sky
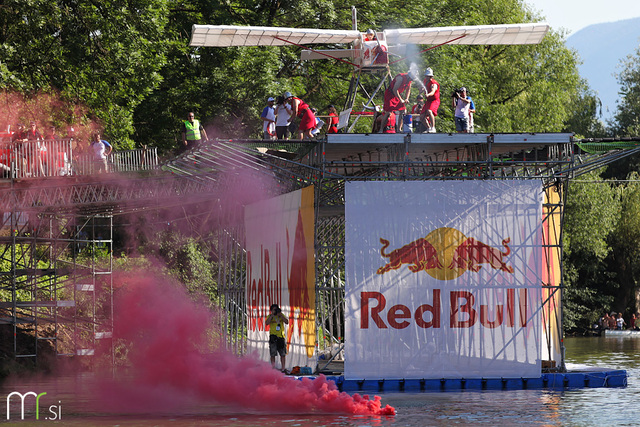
574,15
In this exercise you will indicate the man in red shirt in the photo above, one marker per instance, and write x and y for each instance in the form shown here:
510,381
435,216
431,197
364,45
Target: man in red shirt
432,102
396,96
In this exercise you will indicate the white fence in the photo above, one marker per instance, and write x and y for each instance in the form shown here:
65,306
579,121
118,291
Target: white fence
63,158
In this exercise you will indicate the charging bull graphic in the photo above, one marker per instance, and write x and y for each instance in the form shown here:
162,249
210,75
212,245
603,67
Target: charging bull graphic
419,254
445,247
471,253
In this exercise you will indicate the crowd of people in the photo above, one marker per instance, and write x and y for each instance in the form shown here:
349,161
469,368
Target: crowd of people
32,154
288,115
616,322
422,118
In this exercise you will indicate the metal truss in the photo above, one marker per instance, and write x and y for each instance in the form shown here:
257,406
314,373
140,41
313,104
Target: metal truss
54,230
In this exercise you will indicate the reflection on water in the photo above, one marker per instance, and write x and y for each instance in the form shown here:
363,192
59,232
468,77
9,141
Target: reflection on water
584,407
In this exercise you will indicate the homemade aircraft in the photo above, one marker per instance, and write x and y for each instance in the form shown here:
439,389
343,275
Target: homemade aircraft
368,54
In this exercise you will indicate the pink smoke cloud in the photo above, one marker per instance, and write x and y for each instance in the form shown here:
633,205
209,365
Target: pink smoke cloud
175,351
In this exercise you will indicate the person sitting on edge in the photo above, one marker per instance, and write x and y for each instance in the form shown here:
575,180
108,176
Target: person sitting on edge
396,96
192,132
416,111
301,110
276,321
432,101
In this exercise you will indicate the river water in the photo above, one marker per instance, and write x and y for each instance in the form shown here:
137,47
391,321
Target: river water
580,407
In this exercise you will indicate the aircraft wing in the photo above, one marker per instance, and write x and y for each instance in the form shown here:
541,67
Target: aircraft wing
233,35
478,34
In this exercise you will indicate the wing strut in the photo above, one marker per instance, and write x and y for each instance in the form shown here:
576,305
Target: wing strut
429,48
314,50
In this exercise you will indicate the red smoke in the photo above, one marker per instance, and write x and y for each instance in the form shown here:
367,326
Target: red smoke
176,352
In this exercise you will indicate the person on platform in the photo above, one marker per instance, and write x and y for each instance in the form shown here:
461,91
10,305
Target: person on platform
101,150
472,112
192,132
276,321
432,101
388,126
370,35
268,117
396,96
20,135
333,119
416,112
36,150
283,118
319,123
301,110
461,105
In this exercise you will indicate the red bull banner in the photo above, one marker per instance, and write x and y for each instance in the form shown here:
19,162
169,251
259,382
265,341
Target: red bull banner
443,279
281,270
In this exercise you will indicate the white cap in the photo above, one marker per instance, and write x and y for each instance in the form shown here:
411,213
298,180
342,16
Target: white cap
428,72
271,98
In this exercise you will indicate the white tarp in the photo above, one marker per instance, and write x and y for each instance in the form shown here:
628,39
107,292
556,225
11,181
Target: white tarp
443,279
281,270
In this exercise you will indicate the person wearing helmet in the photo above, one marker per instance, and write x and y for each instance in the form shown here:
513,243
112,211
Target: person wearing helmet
301,109
370,35
396,96
462,104
432,101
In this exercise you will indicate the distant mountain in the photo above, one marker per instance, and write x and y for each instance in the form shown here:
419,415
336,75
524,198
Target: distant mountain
601,48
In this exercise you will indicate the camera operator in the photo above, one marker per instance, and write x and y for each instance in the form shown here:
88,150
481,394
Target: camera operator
461,104
276,321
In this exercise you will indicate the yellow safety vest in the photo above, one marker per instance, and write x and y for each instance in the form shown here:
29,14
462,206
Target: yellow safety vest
276,328
193,130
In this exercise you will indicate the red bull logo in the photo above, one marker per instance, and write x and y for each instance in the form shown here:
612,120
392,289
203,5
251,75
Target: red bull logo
445,254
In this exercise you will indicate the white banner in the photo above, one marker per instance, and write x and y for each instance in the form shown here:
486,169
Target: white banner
443,279
281,270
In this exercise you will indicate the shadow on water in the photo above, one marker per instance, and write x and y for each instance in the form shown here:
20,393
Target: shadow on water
579,407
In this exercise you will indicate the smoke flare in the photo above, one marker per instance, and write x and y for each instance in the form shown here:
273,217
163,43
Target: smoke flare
167,336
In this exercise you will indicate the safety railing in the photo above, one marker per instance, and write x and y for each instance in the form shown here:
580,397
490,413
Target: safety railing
49,158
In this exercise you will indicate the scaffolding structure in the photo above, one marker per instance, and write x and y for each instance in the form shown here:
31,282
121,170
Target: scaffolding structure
56,236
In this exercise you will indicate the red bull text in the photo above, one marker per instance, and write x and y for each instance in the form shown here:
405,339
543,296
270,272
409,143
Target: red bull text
463,312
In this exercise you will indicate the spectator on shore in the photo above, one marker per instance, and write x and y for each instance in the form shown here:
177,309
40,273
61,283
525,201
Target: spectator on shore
192,133
612,320
19,135
620,322
51,134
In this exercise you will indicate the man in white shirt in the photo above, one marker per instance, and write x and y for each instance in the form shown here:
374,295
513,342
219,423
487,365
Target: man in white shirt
268,117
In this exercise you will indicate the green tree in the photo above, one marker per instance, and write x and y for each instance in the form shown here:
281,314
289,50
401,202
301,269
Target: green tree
105,55
627,118
592,213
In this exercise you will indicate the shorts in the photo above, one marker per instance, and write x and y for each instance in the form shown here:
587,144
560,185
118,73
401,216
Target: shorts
392,103
431,105
276,346
282,132
462,124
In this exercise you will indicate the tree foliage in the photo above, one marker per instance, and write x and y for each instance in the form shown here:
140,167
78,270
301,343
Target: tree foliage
627,117
130,62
